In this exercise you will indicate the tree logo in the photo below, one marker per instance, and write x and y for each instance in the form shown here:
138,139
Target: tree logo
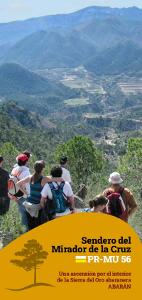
33,256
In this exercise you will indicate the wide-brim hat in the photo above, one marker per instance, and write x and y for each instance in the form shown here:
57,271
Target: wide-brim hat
115,178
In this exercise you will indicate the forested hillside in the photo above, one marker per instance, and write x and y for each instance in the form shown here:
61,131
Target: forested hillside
24,130
123,58
15,79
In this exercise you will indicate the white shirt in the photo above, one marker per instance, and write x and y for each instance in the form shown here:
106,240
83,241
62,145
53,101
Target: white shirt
46,192
22,172
66,175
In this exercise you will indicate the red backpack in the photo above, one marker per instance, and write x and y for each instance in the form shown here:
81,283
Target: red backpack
116,205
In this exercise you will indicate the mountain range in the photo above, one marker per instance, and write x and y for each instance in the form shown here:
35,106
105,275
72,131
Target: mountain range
14,31
89,37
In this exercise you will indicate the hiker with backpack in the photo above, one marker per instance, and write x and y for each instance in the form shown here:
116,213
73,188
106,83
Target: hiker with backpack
4,198
57,197
19,194
121,201
35,213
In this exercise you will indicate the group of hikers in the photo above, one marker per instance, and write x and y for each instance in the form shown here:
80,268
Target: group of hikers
43,198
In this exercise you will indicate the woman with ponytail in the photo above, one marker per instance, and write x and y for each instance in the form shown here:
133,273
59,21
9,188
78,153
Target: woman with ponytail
35,214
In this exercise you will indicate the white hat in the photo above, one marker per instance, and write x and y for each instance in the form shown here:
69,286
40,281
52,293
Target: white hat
115,178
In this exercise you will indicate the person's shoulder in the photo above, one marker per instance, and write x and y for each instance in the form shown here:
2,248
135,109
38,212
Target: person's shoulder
46,187
65,170
25,170
16,169
67,189
107,191
127,191
21,170
67,184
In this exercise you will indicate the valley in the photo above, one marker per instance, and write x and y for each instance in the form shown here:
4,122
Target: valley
76,101
108,107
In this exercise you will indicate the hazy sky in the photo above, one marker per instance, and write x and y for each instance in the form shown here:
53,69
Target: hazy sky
23,9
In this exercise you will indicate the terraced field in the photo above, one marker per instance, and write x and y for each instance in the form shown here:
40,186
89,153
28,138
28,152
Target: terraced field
77,102
131,87
77,78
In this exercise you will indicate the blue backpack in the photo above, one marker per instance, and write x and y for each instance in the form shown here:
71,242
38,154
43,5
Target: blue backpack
60,202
